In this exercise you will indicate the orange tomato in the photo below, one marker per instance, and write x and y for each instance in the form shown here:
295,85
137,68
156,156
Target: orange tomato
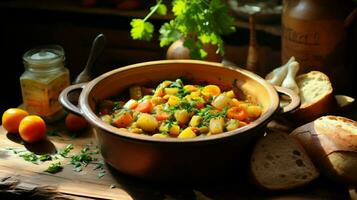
75,122
11,119
32,128
237,113
145,106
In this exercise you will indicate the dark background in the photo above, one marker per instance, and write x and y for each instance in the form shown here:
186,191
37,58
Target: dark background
26,24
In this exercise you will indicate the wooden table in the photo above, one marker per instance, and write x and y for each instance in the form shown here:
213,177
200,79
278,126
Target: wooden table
25,178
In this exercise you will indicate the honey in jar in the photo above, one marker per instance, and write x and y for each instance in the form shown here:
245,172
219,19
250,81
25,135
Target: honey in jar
44,78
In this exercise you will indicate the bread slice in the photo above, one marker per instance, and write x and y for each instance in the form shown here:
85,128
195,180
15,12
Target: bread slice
279,162
316,95
331,141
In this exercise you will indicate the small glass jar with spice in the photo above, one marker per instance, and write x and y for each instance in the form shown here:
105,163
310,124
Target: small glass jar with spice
44,78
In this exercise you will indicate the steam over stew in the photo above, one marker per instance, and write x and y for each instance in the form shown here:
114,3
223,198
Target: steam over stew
177,110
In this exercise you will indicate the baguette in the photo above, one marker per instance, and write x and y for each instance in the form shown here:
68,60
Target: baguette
279,162
331,142
316,95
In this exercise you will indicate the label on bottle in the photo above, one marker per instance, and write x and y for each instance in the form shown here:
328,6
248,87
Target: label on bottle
41,98
317,45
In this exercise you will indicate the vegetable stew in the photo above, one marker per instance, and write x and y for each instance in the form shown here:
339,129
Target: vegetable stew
177,110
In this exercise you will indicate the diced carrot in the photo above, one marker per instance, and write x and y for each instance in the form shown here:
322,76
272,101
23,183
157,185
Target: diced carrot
200,105
211,90
145,106
237,113
123,120
160,116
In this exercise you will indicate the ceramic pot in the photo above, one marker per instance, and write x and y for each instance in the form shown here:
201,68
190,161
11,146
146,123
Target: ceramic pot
176,159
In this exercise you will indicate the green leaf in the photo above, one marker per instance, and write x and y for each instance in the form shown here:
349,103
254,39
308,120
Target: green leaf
168,34
54,168
194,48
161,9
141,30
179,7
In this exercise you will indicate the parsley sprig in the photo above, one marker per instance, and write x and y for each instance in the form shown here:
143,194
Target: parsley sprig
199,22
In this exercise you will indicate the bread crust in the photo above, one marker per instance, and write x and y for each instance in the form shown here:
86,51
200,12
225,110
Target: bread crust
321,106
331,147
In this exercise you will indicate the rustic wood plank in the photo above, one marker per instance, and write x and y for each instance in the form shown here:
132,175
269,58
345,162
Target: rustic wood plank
82,184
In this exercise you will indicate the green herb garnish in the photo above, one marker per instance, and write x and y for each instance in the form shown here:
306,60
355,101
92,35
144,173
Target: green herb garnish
31,157
45,157
64,152
54,168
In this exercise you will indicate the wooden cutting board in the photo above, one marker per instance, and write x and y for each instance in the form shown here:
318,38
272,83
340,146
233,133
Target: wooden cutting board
27,178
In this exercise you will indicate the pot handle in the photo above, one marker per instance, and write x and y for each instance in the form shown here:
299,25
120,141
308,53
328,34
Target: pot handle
294,100
69,98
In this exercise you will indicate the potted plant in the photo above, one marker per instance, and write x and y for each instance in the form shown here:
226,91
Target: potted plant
195,30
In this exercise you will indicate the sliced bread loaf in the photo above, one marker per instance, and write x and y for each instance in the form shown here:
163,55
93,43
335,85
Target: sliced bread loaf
316,95
331,141
279,162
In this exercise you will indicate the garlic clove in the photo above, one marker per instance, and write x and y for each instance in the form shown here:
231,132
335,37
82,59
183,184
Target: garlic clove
289,81
277,76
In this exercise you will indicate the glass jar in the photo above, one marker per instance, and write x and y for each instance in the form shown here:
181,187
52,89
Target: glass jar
44,78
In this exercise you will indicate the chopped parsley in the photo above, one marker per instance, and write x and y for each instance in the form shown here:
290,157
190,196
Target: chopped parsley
45,157
31,157
64,152
54,168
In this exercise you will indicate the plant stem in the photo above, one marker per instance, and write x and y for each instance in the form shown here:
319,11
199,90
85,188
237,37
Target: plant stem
153,10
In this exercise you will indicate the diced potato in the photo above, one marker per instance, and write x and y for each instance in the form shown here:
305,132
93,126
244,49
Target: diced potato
106,118
230,94
195,94
203,129
254,111
221,101
242,123
173,100
166,83
187,133
182,116
171,91
195,121
216,125
136,130
232,124
147,122
175,130
135,92
160,135
159,92
243,105
234,102
157,100
190,88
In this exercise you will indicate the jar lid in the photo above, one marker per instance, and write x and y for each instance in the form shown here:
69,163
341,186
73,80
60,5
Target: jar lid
44,56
